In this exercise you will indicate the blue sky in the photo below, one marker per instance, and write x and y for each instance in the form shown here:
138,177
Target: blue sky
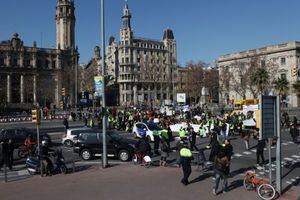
204,29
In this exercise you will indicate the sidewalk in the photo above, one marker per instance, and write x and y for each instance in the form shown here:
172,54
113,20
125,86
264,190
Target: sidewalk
122,182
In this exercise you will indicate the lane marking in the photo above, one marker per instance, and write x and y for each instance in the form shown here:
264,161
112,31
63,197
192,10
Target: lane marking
237,155
295,156
247,152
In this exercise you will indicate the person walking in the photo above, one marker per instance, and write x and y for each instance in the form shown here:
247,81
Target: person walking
294,133
214,145
221,168
10,153
192,138
182,134
4,154
164,152
186,157
156,141
66,123
261,144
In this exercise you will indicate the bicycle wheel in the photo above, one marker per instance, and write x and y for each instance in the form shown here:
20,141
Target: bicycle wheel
135,159
266,191
248,185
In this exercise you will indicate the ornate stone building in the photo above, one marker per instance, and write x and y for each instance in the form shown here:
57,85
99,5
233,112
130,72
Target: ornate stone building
145,69
280,60
31,75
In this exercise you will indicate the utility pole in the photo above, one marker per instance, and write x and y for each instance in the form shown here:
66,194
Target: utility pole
104,153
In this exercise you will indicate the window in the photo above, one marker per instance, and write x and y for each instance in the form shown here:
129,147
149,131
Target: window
282,61
263,63
1,61
138,60
53,64
283,76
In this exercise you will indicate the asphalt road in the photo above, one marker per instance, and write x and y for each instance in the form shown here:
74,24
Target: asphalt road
242,160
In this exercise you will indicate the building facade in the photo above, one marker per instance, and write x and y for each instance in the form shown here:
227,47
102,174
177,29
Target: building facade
199,83
236,68
145,69
33,75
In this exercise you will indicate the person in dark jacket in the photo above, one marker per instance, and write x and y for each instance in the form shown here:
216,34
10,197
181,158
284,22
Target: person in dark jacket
192,139
260,151
66,123
143,147
4,153
10,153
215,146
294,133
221,165
164,152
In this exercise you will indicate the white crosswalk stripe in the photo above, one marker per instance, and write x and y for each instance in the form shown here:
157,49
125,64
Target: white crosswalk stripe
253,150
247,153
295,156
237,155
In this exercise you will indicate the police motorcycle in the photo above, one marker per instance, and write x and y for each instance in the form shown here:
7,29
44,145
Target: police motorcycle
33,164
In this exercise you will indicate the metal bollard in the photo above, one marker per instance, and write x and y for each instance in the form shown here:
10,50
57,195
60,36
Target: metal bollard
73,164
5,173
41,166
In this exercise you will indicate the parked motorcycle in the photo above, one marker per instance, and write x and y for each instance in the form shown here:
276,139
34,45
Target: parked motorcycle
34,164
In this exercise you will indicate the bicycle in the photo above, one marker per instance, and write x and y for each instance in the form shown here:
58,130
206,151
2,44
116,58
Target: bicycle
143,160
264,190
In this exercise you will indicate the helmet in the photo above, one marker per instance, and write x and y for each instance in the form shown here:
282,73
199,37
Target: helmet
44,143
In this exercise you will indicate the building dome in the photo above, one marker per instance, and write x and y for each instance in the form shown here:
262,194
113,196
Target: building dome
111,40
168,34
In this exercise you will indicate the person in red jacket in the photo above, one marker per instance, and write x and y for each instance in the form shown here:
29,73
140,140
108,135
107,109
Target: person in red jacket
30,144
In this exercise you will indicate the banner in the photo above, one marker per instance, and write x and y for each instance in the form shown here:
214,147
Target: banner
98,86
181,97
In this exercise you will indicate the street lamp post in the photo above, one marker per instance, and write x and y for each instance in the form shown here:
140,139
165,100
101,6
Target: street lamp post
104,152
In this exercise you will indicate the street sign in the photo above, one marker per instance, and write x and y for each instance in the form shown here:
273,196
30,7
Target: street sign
98,80
268,116
181,98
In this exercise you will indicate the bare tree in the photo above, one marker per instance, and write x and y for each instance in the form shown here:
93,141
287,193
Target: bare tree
224,82
239,80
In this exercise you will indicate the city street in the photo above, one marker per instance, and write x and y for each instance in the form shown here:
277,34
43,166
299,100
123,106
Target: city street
129,179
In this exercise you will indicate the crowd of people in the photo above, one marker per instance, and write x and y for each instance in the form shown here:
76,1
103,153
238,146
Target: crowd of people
219,128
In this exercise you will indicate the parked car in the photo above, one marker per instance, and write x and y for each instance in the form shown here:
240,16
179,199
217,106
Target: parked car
140,129
68,139
18,135
89,144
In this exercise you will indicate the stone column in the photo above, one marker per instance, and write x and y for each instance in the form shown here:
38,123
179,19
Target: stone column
149,95
135,95
22,88
168,92
8,88
155,95
34,89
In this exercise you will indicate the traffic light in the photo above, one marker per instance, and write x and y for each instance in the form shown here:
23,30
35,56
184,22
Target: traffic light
36,116
294,71
63,91
61,103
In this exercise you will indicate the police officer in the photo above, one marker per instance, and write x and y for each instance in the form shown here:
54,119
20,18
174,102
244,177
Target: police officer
182,133
165,135
186,157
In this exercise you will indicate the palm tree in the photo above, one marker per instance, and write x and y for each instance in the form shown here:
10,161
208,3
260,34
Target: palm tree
281,85
260,79
296,87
